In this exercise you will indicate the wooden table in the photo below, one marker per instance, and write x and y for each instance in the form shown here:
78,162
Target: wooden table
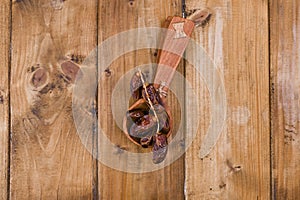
255,45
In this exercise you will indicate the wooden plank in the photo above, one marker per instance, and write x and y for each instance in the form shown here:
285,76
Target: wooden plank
5,26
48,160
238,167
285,62
166,183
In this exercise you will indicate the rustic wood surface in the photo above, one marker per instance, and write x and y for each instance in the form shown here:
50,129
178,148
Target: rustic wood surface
285,62
236,38
255,46
4,95
48,160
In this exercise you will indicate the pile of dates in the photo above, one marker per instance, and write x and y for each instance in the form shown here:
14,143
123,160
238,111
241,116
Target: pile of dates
147,121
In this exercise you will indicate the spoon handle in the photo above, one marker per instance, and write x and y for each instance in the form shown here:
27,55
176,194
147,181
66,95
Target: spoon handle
175,42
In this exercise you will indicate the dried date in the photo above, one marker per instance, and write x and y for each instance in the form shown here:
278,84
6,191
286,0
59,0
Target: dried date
153,94
135,115
160,149
148,123
136,85
147,126
163,117
146,141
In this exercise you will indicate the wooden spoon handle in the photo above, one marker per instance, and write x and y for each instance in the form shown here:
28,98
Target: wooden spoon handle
175,43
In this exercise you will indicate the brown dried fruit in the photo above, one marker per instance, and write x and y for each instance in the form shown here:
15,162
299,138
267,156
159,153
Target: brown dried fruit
135,115
160,149
147,121
153,94
164,125
147,126
146,141
136,86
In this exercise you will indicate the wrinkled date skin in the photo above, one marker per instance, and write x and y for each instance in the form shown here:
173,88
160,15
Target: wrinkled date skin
136,86
160,148
142,124
146,126
163,119
135,115
153,95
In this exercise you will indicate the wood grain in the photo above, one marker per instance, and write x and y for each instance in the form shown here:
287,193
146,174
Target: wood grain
115,17
48,160
4,95
285,62
238,167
